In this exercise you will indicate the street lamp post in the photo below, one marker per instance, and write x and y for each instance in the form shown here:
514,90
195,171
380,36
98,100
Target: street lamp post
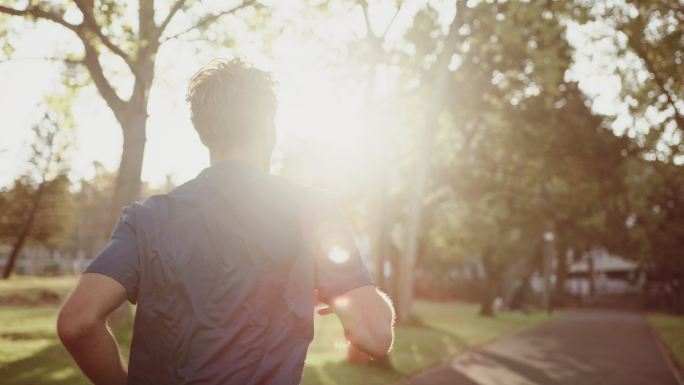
547,256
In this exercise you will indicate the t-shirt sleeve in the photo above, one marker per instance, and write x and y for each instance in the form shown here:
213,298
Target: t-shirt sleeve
119,259
339,267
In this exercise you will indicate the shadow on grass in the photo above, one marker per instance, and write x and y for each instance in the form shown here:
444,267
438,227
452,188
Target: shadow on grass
420,345
417,346
51,365
18,336
343,373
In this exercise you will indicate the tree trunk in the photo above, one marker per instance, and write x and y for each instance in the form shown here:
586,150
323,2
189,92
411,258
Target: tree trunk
134,120
385,241
490,285
488,297
519,300
406,267
394,258
128,185
561,275
24,235
548,251
378,224
591,276
681,294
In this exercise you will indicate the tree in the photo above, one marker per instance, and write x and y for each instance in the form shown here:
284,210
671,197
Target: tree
522,153
649,58
39,206
655,226
108,35
459,86
436,81
494,161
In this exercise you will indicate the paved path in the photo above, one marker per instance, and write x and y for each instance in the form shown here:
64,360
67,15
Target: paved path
602,347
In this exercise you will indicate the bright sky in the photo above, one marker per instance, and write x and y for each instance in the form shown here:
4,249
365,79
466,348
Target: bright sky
313,107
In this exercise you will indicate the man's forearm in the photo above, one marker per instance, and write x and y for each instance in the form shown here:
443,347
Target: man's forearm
96,353
367,317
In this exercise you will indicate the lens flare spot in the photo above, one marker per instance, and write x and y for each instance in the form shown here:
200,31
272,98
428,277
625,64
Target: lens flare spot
341,302
338,254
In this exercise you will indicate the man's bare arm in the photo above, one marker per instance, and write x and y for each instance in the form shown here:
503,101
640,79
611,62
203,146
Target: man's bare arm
82,328
368,319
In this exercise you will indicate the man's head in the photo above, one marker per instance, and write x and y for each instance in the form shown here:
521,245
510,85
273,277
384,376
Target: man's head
233,108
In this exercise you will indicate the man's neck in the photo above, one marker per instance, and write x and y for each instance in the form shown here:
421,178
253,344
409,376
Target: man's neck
240,156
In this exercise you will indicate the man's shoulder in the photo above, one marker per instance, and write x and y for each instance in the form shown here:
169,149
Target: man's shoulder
183,195
187,190
189,194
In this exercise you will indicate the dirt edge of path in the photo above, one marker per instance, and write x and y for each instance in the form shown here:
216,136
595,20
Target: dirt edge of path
675,366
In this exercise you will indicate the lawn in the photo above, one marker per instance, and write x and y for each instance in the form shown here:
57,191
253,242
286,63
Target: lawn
670,328
31,354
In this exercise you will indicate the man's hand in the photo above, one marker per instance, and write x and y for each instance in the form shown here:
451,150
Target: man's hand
82,328
368,319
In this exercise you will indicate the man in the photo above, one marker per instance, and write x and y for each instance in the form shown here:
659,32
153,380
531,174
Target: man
225,268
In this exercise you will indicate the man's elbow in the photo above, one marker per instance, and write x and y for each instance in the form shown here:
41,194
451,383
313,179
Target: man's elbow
74,328
368,318
382,344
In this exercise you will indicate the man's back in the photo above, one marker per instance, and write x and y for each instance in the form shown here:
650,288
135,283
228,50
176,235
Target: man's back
224,268
224,277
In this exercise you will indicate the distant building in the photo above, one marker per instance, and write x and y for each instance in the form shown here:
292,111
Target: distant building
612,275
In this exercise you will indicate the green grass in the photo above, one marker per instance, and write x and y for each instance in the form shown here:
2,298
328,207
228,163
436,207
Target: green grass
31,354
670,328
35,290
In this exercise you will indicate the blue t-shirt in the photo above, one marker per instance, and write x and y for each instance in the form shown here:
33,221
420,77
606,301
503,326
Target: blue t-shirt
224,270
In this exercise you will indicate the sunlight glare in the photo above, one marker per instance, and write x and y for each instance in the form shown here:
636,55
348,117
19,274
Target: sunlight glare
338,255
341,302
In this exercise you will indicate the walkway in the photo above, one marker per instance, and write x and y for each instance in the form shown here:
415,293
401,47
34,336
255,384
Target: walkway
602,347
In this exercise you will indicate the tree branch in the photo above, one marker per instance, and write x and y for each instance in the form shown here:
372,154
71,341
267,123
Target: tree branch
92,63
149,44
678,117
89,21
177,6
48,58
91,58
441,67
209,19
374,40
12,11
394,18
366,17
650,67
39,13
